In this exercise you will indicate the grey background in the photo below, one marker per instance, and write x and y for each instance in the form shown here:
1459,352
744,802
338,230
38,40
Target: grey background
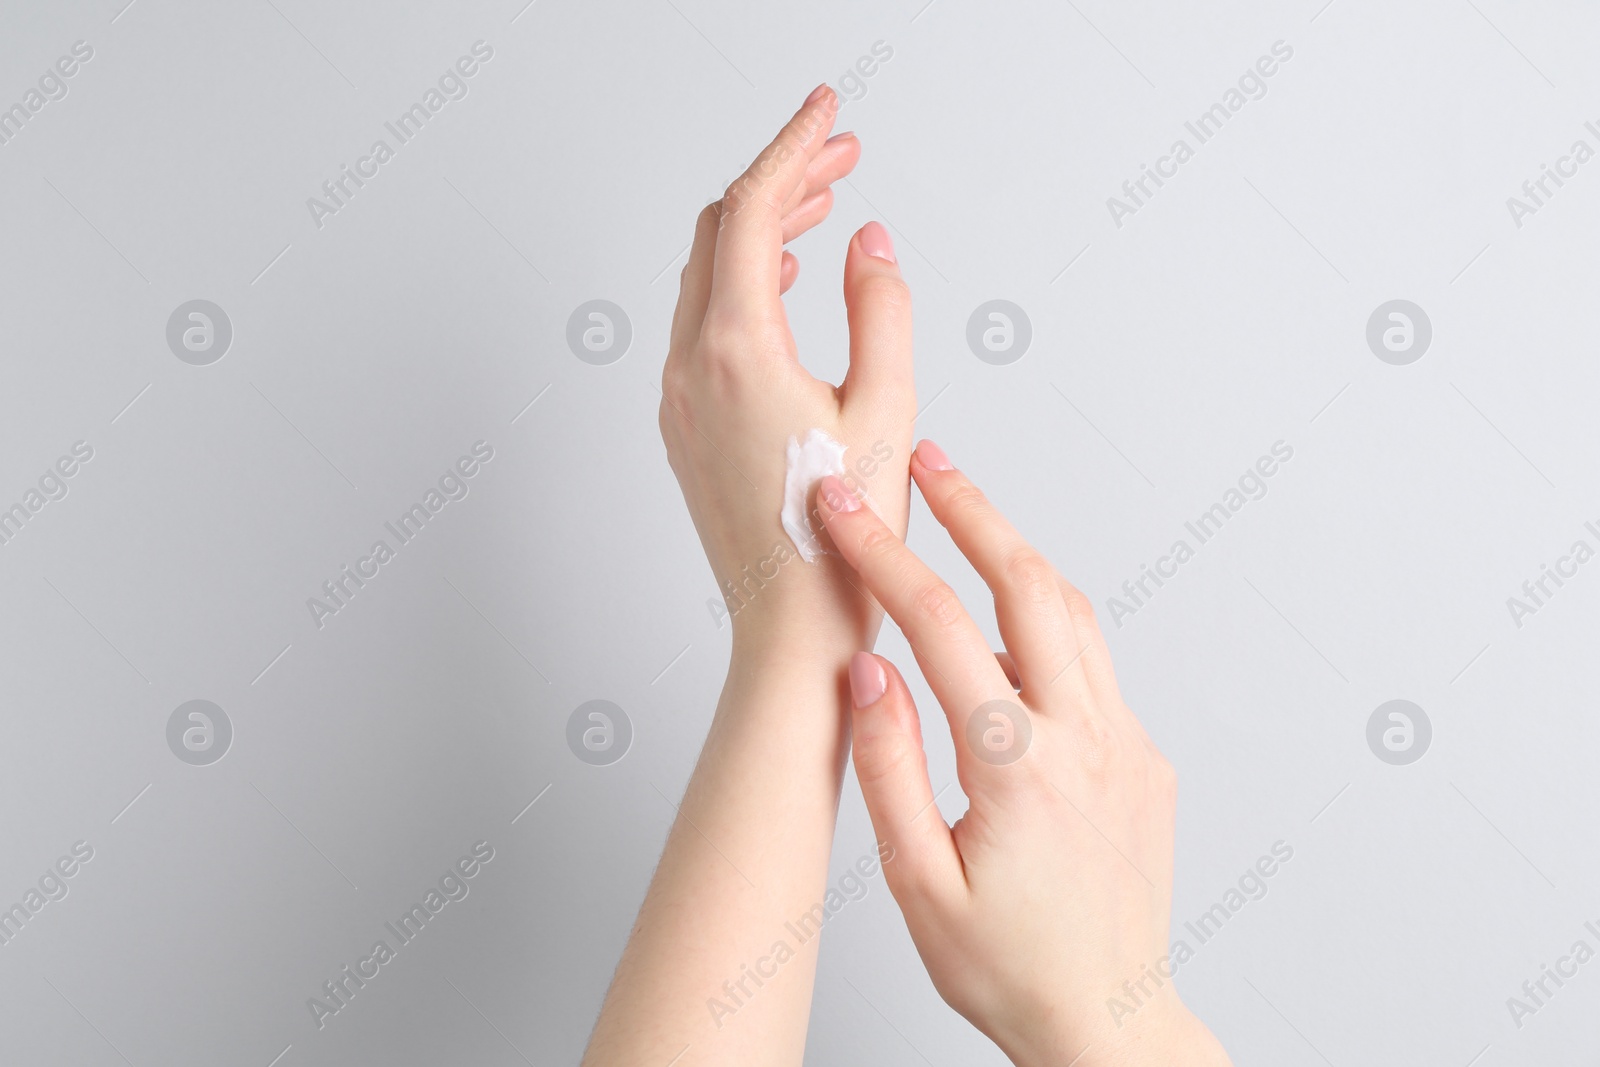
1167,355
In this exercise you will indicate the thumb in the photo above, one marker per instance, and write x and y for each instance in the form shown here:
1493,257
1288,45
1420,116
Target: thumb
879,305
893,772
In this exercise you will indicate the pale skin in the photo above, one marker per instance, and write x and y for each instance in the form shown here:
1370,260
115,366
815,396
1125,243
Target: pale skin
1055,887
750,849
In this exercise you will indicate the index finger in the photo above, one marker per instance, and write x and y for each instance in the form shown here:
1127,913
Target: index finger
750,234
953,652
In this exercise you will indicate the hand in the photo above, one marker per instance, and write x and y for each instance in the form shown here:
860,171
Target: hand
733,390
1055,887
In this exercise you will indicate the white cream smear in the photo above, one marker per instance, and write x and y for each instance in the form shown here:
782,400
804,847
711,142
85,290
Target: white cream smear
809,462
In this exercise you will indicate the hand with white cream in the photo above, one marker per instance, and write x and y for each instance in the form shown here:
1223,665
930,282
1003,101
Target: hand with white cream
1047,905
750,848
734,394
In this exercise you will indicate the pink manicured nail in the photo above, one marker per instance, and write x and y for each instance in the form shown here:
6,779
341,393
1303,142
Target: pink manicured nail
875,241
840,136
837,495
933,457
867,680
816,94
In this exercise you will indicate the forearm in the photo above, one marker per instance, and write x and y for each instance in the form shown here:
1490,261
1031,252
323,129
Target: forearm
712,973
747,854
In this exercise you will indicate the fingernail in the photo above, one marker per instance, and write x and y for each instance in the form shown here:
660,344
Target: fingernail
840,136
837,495
875,241
867,679
816,94
932,457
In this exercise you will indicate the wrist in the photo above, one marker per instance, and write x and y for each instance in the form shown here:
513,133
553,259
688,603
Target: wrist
1170,1037
814,623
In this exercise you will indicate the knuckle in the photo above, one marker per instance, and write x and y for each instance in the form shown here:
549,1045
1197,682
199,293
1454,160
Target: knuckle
1162,770
1161,780
1079,607
756,187
674,368
664,423
909,880
674,385
824,197
721,334
790,142
967,501
1099,749
919,882
733,199
938,603
805,125
769,198
1030,576
885,291
877,543
884,763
